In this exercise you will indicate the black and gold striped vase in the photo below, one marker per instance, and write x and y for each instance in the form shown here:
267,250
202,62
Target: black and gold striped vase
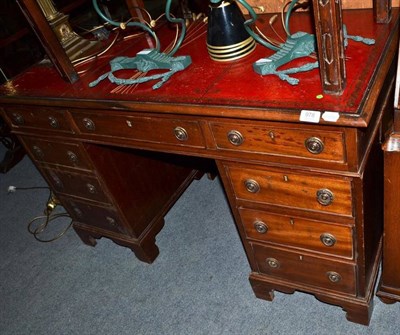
227,38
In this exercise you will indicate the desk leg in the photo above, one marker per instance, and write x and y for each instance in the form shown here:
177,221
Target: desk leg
145,249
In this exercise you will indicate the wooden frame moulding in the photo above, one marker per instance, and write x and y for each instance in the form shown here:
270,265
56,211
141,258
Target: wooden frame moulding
49,40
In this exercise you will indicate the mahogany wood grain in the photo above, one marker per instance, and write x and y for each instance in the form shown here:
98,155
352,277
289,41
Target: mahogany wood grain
262,137
299,233
65,154
292,189
303,268
151,185
389,286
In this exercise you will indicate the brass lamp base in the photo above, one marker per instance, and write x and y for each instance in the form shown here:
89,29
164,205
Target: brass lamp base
74,45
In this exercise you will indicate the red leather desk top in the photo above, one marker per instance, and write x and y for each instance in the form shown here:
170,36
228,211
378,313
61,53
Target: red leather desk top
223,85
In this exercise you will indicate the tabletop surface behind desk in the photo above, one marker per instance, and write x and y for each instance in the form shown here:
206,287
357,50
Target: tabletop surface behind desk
209,83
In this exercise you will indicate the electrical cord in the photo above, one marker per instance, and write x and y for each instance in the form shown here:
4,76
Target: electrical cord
41,227
51,203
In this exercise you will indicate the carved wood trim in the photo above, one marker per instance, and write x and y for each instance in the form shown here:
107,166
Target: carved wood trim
329,33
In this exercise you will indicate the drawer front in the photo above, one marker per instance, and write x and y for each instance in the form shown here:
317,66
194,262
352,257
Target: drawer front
295,190
97,216
266,138
317,236
65,154
39,118
148,129
78,185
305,269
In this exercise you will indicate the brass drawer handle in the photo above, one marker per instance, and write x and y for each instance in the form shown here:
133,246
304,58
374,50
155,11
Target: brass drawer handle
181,134
273,263
53,122
334,277
77,212
325,197
18,118
260,227
57,181
252,186
111,221
328,239
314,145
72,157
91,188
88,124
38,152
235,137
271,134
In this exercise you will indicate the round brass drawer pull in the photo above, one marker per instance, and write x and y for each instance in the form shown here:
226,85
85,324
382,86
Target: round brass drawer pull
273,263
111,221
38,152
78,212
53,122
325,197
271,135
91,188
252,186
334,277
181,134
314,145
260,227
328,239
56,181
89,124
18,118
72,157
235,137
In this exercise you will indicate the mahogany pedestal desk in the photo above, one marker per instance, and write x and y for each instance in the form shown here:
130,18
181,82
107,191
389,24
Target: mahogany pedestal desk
306,196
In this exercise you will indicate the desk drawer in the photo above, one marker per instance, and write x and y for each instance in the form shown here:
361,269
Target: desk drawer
292,189
59,153
272,139
39,118
97,216
147,129
323,237
306,269
79,185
